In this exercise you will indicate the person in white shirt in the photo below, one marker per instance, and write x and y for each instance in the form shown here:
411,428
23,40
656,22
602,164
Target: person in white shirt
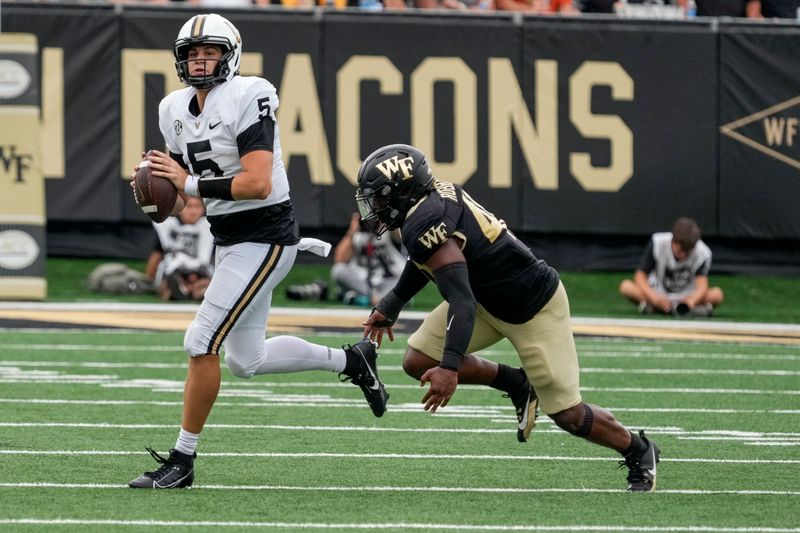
182,264
365,265
672,276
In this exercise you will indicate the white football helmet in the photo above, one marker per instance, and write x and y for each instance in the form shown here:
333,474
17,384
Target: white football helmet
208,29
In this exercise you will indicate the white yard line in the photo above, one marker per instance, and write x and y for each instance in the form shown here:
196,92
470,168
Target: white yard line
403,456
687,371
655,430
325,401
91,364
486,490
636,352
387,525
114,382
398,368
93,347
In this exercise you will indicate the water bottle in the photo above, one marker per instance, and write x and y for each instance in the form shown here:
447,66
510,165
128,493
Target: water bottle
691,9
370,5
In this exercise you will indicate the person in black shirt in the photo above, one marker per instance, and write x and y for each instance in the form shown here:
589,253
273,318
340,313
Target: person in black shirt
494,288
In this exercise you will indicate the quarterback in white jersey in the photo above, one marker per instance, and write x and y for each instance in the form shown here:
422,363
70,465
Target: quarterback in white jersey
672,276
223,146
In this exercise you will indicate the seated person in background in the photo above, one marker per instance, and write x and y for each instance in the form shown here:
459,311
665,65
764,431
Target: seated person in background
181,265
365,267
672,276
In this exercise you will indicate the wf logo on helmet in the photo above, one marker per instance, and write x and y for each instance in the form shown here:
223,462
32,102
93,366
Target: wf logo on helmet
391,166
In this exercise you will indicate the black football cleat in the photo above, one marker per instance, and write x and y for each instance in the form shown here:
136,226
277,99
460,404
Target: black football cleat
642,467
366,375
526,404
175,472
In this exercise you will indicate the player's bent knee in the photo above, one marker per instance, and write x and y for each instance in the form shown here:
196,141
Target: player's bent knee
416,363
194,342
576,420
411,368
239,368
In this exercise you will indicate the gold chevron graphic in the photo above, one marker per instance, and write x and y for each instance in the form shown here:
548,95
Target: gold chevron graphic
729,130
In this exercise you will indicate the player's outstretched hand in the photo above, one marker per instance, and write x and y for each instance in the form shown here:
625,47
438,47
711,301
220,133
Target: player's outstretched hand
443,386
375,326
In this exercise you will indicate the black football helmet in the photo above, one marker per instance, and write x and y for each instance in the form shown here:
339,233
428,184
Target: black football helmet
391,180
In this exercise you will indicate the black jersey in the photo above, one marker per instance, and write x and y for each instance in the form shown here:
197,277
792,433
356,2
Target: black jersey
506,278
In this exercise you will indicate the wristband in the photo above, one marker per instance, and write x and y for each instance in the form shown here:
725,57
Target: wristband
220,188
390,306
190,187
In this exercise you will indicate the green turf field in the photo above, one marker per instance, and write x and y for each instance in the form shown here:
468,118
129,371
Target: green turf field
748,299
303,452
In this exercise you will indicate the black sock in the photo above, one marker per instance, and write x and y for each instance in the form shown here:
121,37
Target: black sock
182,458
351,364
637,446
508,379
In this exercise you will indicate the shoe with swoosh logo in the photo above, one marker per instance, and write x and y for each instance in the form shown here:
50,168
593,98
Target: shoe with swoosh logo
366,375
175,472
526,404
642,467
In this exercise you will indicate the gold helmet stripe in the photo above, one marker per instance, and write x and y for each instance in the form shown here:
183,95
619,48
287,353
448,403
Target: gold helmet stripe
197,27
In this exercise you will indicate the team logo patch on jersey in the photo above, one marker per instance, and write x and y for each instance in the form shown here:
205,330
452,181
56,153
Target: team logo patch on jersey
435,236
178,125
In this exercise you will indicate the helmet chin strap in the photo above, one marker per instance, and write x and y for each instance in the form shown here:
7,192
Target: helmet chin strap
206,81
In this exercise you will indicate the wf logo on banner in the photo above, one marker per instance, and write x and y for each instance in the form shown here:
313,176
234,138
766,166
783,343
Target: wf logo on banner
14,163
22,211
772,131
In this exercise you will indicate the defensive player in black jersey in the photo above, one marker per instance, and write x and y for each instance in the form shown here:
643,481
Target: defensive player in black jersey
494,288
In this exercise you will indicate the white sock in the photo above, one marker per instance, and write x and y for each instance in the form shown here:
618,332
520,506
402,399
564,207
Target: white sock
291,354
187,442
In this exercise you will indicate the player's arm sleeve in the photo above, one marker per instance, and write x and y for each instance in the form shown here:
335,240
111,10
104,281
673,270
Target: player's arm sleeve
256,126
411,281
453,283
648,261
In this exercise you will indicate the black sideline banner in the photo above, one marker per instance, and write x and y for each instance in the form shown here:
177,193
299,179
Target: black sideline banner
579,127
760,142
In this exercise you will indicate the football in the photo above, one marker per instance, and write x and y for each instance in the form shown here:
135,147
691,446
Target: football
155,195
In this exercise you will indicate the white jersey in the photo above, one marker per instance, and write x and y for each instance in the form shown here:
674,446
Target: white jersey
210,144
186,247
667,273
